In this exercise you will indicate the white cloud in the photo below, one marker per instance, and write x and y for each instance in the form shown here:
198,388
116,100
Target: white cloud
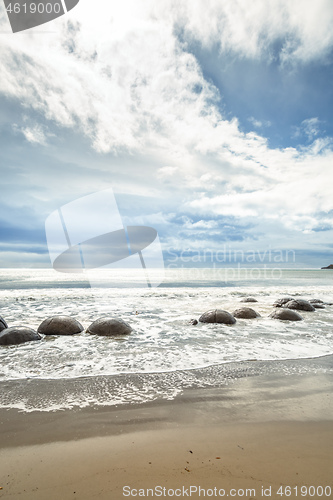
311,127
259,123
201,224
301,28
35,134
166,172
127,81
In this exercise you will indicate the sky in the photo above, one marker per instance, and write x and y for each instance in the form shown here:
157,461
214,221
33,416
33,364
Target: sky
210,120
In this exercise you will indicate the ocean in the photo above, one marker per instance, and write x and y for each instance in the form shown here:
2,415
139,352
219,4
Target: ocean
165,353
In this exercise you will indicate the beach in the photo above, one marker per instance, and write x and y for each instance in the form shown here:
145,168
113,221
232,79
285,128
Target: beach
166,237
246,438
174,409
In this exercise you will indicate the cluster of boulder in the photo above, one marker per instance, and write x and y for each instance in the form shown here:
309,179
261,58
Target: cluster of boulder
285,311
111,327
61,325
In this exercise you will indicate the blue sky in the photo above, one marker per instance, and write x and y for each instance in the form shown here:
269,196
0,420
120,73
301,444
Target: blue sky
211,121
277,102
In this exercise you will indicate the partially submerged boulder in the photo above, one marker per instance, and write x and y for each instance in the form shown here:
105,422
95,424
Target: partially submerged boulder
282,301
60,325
299,304
286,315
245,313
318,304
109,327
249,299
3,324
18,335
217,316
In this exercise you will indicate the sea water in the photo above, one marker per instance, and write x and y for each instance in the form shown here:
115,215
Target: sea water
165,352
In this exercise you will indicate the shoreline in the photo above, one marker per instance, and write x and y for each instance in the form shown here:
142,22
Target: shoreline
125,390
258,431
252,392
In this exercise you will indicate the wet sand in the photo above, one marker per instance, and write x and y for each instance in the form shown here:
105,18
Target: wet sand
254,435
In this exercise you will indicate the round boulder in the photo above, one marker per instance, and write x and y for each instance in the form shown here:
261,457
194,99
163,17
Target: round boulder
299,304
60,325
249,299
319,304
109,327
18,335
3,324
245,313
217,316
281,302
286,315
194,322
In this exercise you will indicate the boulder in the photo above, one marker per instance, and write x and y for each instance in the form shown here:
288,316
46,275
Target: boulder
319,304
3,324
249,299
328,267
60,325
281,302
109,327
285,315
299,304
18,335
217,316
245,313
194,322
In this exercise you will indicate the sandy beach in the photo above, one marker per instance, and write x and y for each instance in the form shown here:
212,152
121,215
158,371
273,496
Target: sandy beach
246,439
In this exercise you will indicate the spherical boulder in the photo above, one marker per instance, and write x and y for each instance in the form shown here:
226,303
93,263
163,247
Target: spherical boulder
249,299
60,325
286,315
217,316
109,327
18,335
281,302
299,304
245,313
3,324
194,322
318,304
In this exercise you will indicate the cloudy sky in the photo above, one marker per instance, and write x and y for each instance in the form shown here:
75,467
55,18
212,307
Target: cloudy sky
210,120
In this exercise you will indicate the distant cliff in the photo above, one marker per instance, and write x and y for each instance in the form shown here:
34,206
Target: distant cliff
328,267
